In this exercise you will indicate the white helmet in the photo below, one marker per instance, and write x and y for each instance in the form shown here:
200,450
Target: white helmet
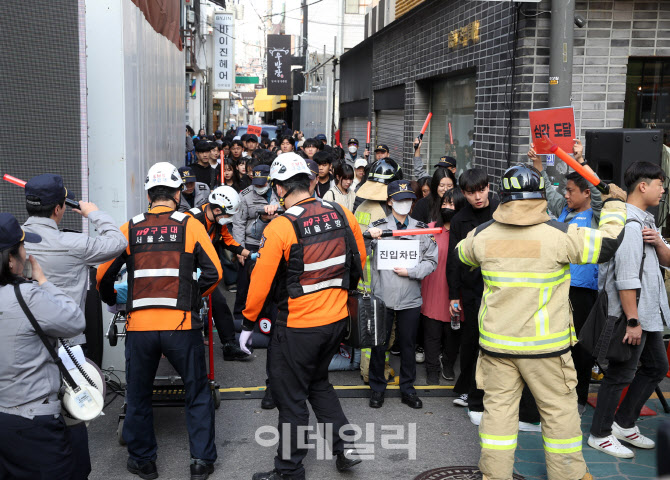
227,198
163,174
288,165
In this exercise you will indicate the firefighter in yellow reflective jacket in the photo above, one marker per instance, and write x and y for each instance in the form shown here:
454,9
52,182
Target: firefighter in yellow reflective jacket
525,321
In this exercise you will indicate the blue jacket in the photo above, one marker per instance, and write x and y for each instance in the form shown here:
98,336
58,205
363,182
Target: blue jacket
585,276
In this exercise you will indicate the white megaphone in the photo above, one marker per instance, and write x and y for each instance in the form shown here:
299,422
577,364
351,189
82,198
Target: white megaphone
85,400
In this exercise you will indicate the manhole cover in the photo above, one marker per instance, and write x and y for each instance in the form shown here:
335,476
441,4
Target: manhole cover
455,473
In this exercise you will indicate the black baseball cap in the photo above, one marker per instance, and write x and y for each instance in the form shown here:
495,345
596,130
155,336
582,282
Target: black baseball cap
252,138
352,140
204,146
400,190
382,148
261,175
313,167
11,232
446,162
321,137
46,189
187,174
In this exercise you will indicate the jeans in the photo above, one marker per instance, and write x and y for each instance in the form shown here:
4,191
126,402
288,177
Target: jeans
243,274
643,380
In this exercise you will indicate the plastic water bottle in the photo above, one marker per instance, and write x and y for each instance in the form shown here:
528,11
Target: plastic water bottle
455,320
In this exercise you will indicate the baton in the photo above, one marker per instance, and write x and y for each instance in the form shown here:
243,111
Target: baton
592,179
367,144
423,129
22,183
403,233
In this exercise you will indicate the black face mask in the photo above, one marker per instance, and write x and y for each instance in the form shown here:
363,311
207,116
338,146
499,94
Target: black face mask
447,214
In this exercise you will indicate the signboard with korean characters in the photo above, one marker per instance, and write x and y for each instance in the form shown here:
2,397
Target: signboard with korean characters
397,253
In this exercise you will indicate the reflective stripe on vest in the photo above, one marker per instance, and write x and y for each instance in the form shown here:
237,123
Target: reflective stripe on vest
526,279
156,272
568,445
497,442
593,240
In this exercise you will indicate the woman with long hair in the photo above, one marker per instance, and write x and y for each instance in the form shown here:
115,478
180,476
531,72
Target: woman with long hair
342,192
231,175
427,209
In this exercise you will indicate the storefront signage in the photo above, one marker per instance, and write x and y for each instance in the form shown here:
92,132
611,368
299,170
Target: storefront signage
463,36
279,65
224,61
558,124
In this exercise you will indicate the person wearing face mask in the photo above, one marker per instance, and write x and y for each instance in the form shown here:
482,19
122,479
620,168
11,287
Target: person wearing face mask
427,208
342,192
351,156
400,289
165,249
216,216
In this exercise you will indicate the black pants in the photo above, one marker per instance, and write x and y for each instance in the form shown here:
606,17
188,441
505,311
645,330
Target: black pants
406,328
222,317
298,373
439,338
582,300
40,448
641,381
469,350
185,351
243,282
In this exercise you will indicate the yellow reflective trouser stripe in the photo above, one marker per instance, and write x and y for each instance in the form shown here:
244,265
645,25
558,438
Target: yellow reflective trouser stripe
568,445
465,259
388,356
497,442
592,242
616,217
366,352
527,279
540,342
542,314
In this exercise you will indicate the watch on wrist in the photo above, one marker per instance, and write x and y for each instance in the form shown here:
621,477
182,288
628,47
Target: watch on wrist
633,322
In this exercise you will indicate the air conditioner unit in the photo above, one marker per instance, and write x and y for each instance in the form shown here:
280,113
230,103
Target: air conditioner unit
190,16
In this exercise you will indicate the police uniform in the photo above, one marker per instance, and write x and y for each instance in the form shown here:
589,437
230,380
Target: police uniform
525,321
307,250
165,249
200,193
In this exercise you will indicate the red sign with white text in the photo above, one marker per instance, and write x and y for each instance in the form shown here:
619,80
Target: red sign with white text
255,130
556,123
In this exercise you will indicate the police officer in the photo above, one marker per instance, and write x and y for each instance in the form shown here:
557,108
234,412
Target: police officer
34,441
65,258
310,250
166,247
525,260
381,151
195,194
215,216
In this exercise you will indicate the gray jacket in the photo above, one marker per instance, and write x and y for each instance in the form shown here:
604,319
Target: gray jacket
28,374
624,274
400,293
557,202
66,256
418,169
247,224
201,197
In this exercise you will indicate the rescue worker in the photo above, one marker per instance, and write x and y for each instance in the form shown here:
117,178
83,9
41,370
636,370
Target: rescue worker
215,216
166,247
195,193
372,206
311,251
400,289
524,256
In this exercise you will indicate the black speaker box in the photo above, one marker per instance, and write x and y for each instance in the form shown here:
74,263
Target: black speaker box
610,152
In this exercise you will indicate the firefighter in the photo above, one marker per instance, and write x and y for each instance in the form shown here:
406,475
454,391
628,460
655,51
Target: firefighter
311,252
525,323
165,249
224,202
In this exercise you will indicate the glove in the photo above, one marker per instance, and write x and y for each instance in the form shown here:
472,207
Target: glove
615,192
245,337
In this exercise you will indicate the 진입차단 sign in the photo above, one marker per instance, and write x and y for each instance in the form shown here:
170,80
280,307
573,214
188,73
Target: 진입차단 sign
397,253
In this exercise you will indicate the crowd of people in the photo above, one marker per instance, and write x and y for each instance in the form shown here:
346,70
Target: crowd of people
289,225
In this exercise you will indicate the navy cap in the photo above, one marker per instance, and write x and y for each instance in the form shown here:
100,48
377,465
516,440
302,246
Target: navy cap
261,174
321,137
204,146
46,189
218,132
187,174
352,140
400,190
446,162
11,232
313,167
382,148
252,138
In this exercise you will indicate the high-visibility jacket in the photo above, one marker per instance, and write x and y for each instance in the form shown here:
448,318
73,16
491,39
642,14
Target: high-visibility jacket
368,212
313,307
525,261
160,272
218,234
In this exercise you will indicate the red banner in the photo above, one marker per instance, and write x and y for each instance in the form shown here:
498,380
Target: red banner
254,130
556,123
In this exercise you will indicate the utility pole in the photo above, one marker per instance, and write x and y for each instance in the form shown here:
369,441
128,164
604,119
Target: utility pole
304,31
560,58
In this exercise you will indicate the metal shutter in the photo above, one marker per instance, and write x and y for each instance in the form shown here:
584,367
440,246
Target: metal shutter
354,127
391,131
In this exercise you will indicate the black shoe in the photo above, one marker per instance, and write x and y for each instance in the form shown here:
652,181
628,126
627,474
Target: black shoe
273,475
232,351
432,378
200,470
343,463
395,349
447,370
267,403
146,470
376,399
412,399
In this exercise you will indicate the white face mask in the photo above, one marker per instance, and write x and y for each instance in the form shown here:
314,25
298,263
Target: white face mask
262,190
224,220
402,207
353,149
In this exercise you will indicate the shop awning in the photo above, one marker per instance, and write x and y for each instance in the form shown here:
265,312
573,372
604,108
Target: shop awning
268,103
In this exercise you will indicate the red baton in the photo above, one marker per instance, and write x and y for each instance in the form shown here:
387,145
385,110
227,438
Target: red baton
423,130
592,179
404,233
14,180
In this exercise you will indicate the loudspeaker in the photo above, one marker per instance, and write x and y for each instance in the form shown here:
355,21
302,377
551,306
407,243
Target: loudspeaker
610,152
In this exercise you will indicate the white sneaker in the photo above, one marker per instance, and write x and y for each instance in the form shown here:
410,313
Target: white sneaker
419,355
529,427
632,436
611,446
462,400
475,417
